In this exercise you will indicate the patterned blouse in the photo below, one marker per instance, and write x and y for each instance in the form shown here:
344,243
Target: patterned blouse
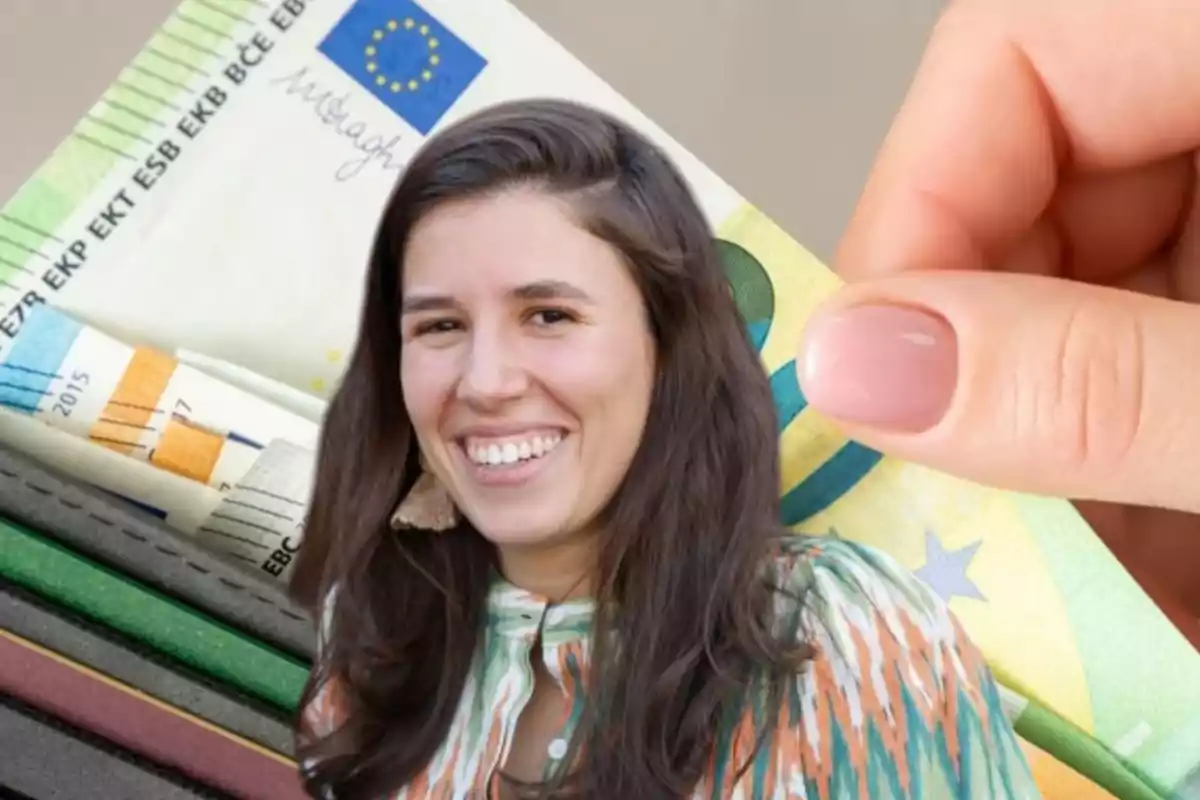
896,703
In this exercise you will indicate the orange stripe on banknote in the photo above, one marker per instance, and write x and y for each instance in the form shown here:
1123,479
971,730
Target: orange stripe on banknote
133,405
188,450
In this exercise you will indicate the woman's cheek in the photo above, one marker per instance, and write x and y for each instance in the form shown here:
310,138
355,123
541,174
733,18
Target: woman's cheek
427,379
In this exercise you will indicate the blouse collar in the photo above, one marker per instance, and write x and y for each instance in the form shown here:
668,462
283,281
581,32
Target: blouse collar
518,613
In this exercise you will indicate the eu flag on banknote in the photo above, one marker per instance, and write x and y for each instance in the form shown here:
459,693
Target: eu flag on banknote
398,52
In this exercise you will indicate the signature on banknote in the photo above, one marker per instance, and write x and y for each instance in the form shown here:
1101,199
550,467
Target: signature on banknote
333,109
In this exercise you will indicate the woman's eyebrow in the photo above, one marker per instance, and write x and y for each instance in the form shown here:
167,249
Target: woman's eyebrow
415,303
551,290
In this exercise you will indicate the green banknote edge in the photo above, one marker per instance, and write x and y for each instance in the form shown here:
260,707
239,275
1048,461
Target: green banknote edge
172,628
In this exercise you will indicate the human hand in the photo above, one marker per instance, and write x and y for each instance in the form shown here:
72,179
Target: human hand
1024,271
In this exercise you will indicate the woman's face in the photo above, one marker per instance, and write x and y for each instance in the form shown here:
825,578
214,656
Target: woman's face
527,363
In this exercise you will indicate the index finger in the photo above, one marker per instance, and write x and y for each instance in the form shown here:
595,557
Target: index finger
1008,98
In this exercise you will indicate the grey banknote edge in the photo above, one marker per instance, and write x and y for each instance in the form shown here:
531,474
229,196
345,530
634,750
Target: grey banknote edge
79,640
44,759
116,532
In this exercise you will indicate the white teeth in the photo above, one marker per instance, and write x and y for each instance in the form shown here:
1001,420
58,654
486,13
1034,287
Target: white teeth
511,452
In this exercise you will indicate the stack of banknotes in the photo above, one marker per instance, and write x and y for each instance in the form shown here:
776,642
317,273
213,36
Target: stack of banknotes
179,285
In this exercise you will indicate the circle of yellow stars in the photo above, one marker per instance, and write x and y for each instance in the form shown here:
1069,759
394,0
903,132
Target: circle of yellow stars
426,74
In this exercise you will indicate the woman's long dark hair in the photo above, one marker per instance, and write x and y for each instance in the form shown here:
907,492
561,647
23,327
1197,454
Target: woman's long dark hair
685,623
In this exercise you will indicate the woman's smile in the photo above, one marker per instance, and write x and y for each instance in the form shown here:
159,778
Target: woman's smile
510,459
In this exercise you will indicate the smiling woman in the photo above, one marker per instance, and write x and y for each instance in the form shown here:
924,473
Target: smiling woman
585,590
523,333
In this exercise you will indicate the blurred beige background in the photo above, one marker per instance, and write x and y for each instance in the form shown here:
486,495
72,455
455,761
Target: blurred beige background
785,99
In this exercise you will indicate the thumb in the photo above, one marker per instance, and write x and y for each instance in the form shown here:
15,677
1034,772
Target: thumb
1018,381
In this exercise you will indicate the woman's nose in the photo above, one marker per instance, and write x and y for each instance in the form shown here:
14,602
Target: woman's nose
492,373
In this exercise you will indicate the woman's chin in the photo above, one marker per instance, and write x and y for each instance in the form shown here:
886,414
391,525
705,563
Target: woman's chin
522,535
519,528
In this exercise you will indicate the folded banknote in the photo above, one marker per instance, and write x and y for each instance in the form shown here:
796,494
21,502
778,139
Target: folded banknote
221,201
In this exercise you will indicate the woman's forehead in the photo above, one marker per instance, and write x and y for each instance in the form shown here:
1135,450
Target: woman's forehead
518,242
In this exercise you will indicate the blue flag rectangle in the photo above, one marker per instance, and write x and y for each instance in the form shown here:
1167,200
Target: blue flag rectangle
398,52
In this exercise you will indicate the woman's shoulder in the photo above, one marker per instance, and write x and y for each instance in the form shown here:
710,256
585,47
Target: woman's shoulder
893,675
844,588
865,615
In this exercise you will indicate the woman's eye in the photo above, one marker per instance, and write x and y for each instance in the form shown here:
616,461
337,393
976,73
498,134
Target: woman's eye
437,326
550,316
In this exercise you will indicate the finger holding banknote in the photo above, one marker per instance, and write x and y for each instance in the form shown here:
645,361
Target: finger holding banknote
1024,265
